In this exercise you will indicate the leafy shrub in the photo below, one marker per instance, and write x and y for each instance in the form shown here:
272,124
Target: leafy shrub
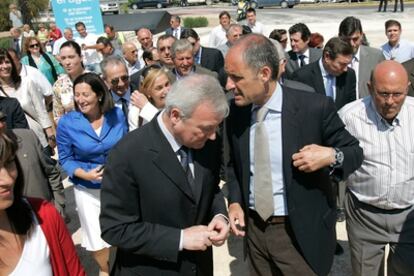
195,22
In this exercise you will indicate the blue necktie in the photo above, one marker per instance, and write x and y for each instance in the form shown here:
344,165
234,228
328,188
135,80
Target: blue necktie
329,86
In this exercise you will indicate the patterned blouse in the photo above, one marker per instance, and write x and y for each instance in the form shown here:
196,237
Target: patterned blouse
63,96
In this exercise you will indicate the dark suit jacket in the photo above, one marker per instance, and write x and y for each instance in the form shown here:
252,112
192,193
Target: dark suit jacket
293,62
169,31
14,112
212,59
369,58
146,201
409,66
345,83
307,118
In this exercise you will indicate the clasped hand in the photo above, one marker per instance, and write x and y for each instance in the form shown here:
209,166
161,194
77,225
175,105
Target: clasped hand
312,157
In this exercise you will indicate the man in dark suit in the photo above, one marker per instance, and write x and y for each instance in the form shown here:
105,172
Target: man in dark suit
183,59
209,58
365,58
161,205
17,41
284,144
409,66
175,30
13,113
301,54
330,75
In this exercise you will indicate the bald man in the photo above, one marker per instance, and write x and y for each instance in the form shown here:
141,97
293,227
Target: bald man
379,204
144,37
130,54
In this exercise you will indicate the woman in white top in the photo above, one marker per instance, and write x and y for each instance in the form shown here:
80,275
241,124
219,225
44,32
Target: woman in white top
30,97
146,103
34,238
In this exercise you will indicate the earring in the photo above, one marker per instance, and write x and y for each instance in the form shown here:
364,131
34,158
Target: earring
100,99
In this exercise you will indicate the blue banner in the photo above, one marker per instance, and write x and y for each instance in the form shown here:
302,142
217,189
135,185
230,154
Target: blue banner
69,12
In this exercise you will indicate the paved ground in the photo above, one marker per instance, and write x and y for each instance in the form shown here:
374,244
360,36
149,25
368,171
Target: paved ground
227,259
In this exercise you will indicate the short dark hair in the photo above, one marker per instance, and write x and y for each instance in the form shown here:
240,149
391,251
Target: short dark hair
300,28
349,26
176,17
251,10
99,87
246,30
109,26
186,33
276,34
165,37
226,13
147,54
392,22
80,24
72,44
259,51
104,40
336,46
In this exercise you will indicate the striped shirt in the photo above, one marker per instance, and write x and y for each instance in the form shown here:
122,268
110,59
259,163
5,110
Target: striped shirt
386,177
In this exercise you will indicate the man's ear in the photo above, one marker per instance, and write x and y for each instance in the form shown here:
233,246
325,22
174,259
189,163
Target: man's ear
175,115
265,74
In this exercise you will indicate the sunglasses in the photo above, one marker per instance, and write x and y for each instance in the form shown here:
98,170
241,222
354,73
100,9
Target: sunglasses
34,46
124,78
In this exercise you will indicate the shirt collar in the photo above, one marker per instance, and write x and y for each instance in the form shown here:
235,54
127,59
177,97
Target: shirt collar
275,102
306,54
325,74
380,119
170,138
357,54
126,96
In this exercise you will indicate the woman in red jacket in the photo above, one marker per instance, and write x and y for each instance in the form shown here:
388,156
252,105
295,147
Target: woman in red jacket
33,235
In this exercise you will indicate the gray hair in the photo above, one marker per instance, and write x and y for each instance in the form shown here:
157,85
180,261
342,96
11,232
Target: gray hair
126,46
232,27
280,51
259,51
188,93
68,29
111,61
180,45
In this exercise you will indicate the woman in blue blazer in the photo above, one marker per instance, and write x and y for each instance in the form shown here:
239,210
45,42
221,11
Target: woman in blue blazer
84,138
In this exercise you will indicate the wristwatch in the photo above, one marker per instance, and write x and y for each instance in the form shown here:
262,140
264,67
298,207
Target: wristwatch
339,158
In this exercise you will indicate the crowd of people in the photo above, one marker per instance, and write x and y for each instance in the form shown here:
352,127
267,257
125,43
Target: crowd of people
145,131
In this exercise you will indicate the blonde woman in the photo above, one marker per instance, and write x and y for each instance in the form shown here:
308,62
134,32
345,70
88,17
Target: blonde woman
146,103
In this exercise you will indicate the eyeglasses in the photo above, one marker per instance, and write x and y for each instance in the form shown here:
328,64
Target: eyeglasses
34,46
124,78
386,95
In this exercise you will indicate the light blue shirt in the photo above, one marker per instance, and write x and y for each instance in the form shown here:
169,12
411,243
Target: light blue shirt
401,52
329,81
273,124
117,98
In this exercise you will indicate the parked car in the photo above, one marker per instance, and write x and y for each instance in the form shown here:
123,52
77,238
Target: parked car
139,4
109,7
282,3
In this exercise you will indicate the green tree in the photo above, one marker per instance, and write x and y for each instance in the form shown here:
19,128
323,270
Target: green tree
29,8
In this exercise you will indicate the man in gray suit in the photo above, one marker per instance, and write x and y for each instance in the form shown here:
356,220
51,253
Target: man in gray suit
365,58
183,59
301,54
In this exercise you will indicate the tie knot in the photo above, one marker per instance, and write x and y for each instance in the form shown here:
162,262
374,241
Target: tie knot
261,113
302,57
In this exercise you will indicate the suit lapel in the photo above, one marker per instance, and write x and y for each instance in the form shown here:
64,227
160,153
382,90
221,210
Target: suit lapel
167,161
290,134
318,79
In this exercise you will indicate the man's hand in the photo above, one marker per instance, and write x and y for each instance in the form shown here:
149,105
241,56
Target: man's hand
221,227
311,158
197,238
236,216
138,99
